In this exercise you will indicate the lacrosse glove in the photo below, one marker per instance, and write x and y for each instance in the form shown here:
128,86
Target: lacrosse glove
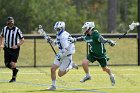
111,42
72,40
49,40
58,56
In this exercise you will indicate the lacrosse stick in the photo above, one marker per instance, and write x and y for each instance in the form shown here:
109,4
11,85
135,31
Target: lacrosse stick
131,27
42,32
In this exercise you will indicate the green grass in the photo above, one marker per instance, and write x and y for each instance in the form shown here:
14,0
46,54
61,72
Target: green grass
125,52
36,80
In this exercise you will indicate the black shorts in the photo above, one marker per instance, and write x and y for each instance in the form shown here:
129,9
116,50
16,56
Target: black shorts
10,55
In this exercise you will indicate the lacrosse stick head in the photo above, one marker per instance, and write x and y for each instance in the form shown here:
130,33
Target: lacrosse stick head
40,30
133,25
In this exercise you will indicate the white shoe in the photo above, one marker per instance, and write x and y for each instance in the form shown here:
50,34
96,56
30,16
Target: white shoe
112,79
74,66
85,79
52,88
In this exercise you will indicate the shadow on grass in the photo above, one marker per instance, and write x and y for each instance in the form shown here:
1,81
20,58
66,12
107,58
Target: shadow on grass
68,90
60,88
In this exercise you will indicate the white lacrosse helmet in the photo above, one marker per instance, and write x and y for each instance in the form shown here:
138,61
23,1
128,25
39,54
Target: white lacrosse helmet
88,26
59,26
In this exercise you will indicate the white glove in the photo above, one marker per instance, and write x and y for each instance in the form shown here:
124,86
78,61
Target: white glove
58,56
111,42
49,40
133,25
72,40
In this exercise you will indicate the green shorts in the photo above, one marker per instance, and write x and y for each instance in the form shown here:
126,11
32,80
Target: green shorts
103,61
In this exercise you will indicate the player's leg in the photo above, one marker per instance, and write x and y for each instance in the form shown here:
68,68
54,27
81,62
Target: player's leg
74,65
85,64
53,69
10,58
53,76
112,77
14,71
66,65
14,57
103,63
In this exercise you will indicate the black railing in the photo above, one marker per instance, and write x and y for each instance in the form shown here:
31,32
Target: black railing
75,35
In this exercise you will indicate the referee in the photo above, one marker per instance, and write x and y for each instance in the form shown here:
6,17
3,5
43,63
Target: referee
11,39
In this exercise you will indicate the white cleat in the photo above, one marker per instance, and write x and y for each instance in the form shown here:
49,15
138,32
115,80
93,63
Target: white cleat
85,79
52,88
112,79
74,66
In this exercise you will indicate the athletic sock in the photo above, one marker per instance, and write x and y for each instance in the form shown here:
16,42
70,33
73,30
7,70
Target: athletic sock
87,74
15,70
54,82
111,75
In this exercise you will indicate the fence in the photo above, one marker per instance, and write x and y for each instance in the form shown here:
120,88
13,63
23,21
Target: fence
36,52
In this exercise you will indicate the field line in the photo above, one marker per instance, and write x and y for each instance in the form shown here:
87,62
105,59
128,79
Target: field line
67,74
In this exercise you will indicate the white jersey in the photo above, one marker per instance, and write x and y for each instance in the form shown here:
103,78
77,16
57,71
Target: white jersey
64,44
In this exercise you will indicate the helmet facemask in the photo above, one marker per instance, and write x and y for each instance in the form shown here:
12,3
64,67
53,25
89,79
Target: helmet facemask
87,27
59,26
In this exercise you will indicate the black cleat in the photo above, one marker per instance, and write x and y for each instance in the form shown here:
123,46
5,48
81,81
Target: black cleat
12,80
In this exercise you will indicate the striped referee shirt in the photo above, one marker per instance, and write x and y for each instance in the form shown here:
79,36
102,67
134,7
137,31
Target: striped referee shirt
11,36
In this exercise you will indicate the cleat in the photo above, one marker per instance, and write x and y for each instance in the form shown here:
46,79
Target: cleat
74,66
112,79
52,88
85,79
12,80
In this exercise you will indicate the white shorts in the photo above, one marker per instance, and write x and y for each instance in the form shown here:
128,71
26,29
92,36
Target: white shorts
65,63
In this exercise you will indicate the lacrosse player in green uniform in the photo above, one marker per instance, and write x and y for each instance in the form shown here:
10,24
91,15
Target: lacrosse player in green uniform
97,51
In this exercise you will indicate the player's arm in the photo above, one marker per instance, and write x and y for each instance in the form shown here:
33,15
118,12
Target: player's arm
21,41
103,40
73,40
1,40
51,41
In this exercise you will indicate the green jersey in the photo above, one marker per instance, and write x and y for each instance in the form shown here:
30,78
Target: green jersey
96,47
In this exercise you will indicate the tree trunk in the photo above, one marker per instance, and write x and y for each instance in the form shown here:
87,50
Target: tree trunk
111,15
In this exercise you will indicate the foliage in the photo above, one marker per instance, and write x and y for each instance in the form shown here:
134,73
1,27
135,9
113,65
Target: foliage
29,14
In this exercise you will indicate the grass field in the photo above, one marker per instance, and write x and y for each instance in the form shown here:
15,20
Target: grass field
36,80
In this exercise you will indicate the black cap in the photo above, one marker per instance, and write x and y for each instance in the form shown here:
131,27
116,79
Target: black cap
10,18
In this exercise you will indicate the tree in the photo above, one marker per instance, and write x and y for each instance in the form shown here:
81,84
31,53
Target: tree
111,15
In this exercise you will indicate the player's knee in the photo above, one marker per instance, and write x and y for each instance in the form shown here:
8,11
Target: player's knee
105,69
60,75
8,66
85,62
53,69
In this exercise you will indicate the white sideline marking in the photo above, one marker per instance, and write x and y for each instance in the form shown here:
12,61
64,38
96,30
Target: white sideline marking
67,74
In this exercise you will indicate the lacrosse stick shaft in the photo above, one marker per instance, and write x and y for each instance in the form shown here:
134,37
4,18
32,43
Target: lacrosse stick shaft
123,35
45,36
52,47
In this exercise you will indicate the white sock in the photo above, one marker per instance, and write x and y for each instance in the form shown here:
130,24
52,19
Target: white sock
54,82
111,75
87,74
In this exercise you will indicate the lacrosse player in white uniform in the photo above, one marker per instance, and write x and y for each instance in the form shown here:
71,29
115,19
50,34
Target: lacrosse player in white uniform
63,59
